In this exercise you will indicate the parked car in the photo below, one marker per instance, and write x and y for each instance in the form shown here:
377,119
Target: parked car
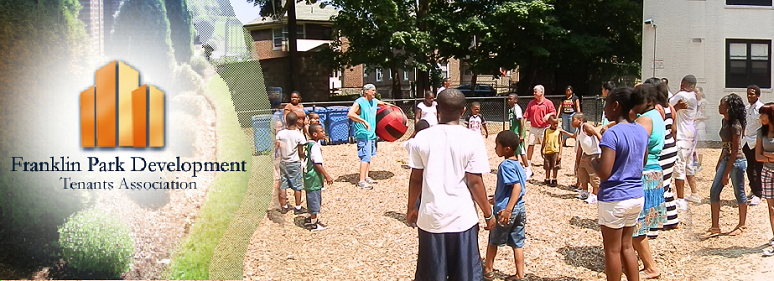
479,91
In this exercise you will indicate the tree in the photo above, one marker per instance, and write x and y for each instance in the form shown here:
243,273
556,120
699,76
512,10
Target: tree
181,29
141,37
379,34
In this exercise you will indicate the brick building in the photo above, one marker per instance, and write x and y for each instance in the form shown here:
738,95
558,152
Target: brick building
314,32
92,16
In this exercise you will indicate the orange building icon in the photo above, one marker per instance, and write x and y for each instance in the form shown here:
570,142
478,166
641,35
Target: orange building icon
117,109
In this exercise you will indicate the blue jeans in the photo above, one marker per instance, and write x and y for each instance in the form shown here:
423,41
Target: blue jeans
567,124
737,180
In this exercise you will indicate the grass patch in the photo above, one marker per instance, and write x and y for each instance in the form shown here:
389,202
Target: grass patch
229,191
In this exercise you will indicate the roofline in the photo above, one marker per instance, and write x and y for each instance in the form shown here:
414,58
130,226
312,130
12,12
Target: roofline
253,26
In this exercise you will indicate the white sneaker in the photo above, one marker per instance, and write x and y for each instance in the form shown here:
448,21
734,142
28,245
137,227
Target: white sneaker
529,173
754,200
583,195
694,198
768,252
682,205
592,199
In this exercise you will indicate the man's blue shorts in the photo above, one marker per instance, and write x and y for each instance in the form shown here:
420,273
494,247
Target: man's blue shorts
366,149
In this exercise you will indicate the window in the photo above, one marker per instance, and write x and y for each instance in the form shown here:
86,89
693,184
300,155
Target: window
281,34
749,2
318,32
444,70
405,76
378,75
748,62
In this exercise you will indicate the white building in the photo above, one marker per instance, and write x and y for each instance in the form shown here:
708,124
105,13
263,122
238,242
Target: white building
726,44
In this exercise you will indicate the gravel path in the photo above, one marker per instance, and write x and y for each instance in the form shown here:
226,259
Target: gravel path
367,237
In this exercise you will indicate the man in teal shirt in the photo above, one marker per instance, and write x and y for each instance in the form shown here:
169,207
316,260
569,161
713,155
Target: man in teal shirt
363,114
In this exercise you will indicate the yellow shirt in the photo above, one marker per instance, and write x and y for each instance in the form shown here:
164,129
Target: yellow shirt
552,141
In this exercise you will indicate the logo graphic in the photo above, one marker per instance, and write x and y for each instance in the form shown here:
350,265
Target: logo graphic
116,108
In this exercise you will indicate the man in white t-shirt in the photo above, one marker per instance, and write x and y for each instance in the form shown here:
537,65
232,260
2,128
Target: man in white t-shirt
686,105
447,162
754,167
445,85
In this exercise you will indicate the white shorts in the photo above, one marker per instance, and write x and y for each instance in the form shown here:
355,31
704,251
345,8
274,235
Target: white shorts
620,214
536,135
684,164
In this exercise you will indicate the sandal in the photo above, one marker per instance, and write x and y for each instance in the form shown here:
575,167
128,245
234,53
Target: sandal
712,232
644,276
489,276
513,278
739,230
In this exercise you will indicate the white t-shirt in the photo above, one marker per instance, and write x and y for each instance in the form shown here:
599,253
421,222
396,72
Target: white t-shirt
440,90
475,122
429,113
684,118
517,111
315,154
753,124
289,141
446,153
589,144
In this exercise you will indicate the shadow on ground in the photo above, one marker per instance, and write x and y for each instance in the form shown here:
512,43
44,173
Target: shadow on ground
560,196
730,252
397,216
585,223
591,257
275,216
376,175
532,277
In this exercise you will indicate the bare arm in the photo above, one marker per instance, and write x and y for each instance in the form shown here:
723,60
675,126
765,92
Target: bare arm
577,105
322,171
731,157
505,214
603,166
591,131
301,151
478,191
354,115
417,116
415,189
759,155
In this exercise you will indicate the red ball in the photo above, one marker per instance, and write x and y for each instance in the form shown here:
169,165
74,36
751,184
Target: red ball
391,123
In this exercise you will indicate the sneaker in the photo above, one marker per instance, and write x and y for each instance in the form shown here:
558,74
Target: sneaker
754,200
299,211
582,195
369,180
319,226
364,185
592,199
553,183
768,252
694,198
284,209
529,173
682,205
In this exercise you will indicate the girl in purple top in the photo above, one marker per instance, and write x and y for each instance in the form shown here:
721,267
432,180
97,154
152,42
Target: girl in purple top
619,168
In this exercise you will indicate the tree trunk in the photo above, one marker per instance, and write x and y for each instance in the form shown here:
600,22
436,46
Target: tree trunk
423,77
292,47
473,81
397,91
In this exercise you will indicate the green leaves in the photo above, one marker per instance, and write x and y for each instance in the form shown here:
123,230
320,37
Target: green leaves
96,241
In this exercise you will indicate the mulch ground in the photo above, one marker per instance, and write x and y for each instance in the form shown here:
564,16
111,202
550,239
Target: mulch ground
367,238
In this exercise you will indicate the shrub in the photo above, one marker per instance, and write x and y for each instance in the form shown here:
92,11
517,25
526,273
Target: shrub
96,241
199,64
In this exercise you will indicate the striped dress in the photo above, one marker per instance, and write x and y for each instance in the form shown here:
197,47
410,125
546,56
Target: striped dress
667,162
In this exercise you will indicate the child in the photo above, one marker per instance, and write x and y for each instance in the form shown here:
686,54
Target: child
475,121
291,143
552,150
621,197
517,125
508,204
313,178
314,118
588,150
277,161
731,164
447,163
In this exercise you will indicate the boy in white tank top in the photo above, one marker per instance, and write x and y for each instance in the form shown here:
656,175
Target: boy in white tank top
587,139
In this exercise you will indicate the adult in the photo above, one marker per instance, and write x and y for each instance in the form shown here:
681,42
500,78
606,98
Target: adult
569,106
537,113
764,153
445,85
750,135
363,114
606,88
295,106
447,162
666,82
668,155
685,105
427,110
701,125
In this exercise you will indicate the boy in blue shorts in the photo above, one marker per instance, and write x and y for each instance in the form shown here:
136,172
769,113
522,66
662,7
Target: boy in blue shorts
314,176
291,144
508,204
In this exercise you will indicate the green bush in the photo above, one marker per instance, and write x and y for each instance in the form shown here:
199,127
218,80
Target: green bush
96,241
199,64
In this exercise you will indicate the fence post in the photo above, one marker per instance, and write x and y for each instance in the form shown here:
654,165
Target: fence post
505,112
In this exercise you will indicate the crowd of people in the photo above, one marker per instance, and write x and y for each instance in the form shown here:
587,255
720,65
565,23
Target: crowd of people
647,141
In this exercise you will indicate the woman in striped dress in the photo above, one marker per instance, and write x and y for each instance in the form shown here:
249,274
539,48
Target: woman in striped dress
667,159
